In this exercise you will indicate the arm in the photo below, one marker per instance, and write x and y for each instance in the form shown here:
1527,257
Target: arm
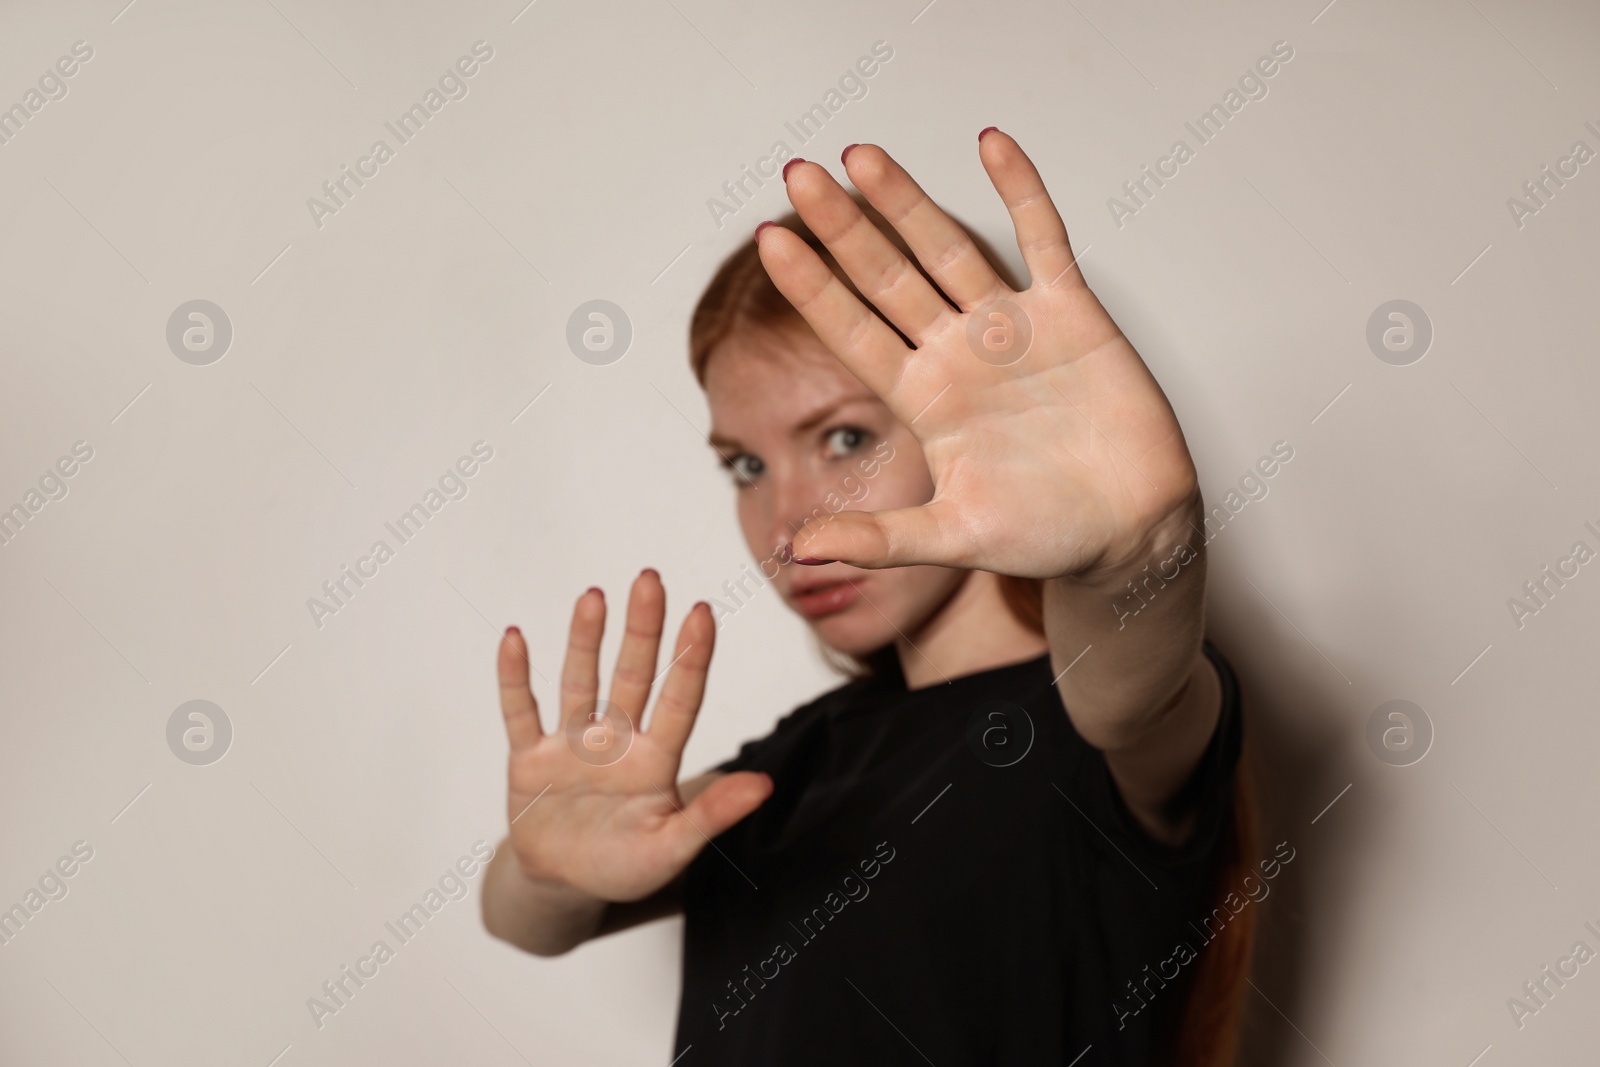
1054,453
1145,694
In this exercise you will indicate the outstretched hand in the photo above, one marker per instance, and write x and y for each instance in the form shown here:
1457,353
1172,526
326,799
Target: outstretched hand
1060,459
586,812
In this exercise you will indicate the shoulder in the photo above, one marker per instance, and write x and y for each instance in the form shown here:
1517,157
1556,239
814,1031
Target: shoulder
797,722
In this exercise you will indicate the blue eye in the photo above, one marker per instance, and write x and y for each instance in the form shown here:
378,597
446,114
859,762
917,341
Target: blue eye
744,468
843,440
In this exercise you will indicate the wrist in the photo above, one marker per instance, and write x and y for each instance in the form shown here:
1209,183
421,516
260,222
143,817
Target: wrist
547,890
1165,548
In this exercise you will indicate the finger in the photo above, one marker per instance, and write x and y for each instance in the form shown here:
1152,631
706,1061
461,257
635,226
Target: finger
635,669
863,342
944,249
580,671
685,686
889,281
517,706
724,802
903,537
1041,235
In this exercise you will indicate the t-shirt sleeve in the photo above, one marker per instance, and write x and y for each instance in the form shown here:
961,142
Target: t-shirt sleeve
741,762
754,753
1208,793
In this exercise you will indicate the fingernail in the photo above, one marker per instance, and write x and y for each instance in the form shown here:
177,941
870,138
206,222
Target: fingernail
985,130
809,561
844,156
761,227
650,571
789,164
512,630
594,589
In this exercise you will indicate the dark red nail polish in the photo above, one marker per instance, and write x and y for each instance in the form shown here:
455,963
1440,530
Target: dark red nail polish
810,561
789,164
985,130
761,227
844,156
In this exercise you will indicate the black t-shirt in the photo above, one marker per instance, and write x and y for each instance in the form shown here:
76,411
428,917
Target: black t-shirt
929,883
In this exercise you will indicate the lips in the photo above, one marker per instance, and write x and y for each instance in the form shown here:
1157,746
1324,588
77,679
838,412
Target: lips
817,599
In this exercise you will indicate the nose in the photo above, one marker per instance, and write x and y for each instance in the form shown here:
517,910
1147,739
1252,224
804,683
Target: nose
798,498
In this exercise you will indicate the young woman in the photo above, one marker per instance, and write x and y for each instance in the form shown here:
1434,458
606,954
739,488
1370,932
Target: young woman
1005,839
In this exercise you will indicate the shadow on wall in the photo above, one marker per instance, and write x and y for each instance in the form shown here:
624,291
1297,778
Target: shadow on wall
1302,762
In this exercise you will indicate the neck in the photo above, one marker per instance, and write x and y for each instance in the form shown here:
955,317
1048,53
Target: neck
972,631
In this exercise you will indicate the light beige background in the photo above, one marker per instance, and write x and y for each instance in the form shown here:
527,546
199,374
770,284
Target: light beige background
370,353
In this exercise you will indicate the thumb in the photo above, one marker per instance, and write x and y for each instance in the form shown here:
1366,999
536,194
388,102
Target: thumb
726,801
874,539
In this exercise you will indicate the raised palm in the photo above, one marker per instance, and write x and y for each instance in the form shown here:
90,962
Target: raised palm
614,826
1056,460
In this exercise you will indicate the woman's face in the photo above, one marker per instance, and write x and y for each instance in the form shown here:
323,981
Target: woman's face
804,439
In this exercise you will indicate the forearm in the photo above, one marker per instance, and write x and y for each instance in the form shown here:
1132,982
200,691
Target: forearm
544,918
1142,622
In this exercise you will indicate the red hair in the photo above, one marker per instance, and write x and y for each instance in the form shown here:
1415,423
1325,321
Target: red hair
742,296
